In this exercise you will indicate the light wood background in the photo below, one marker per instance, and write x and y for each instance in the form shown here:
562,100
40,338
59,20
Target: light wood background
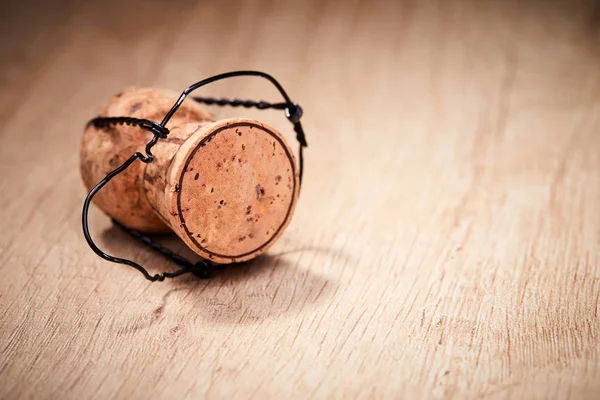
446,243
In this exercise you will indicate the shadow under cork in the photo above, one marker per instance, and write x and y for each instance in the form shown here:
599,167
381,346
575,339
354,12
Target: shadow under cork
269,286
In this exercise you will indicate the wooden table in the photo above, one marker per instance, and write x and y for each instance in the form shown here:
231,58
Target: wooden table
446,240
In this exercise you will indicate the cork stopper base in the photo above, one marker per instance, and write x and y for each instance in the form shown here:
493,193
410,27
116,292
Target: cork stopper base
230,189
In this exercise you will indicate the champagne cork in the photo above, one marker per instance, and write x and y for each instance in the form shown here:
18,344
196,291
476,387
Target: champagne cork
227,188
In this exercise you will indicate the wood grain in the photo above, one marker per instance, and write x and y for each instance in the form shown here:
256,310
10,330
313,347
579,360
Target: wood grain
445,243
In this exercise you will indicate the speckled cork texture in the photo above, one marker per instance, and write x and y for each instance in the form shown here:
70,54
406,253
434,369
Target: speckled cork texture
227,188
229,191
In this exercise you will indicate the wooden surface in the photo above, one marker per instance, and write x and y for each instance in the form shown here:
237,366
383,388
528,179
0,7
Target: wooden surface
446,240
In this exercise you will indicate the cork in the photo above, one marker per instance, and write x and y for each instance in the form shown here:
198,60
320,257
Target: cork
227,188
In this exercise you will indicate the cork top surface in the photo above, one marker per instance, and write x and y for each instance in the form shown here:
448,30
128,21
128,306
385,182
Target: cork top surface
236,191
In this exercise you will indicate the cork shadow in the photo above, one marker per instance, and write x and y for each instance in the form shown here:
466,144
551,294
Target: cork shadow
267,287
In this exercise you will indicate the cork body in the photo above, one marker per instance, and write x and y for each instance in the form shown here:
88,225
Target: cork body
103,150
227,188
